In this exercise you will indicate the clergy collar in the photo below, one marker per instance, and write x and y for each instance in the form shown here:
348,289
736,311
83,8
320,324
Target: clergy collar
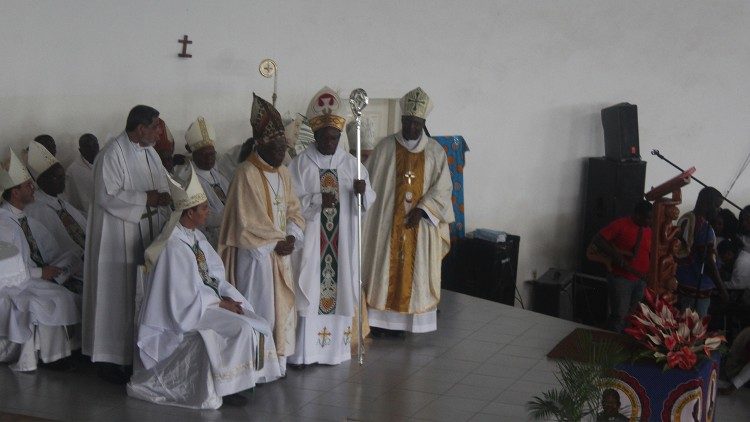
256,160
42,196
16,212
413,145
190,233
85,162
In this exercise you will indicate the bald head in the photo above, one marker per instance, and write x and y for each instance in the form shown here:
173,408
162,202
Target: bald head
88,146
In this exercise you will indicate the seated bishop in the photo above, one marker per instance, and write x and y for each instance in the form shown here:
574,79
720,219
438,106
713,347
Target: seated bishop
198,339
35,309
66,224
200,138
325,180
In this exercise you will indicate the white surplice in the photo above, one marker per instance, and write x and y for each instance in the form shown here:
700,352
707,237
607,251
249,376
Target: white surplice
326,338
79,184
34,312
209,179
177,305
433,240
228,162
118,234
45,209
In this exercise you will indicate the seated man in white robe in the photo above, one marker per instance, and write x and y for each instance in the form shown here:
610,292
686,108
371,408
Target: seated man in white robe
200,138
406,232
325,179
64,221
262,226
79,183
198,339
34,310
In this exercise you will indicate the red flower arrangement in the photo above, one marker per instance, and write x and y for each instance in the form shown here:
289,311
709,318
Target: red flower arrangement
678,338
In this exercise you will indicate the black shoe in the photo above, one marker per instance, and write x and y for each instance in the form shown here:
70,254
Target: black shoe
112,373
298,366
376,332
61,365
234,400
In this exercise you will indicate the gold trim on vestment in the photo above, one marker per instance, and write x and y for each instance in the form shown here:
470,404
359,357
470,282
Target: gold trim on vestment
403,240
262,166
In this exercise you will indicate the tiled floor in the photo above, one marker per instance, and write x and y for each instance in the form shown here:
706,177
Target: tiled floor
484,362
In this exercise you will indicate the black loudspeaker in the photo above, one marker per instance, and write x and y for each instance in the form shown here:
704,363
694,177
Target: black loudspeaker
552,293
612,189
485,269
590,300
620,124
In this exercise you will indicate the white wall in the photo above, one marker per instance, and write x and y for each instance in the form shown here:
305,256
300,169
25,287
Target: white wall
523,81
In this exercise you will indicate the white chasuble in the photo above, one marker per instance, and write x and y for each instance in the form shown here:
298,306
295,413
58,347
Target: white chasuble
261,210
181,308
402,266
120,228
327,265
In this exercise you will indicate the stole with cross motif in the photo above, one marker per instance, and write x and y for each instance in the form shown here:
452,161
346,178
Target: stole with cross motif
409,189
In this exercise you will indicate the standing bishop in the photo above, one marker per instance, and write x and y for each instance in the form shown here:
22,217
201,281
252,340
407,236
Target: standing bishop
34,308
200,138
406,232
130,203
187,301
325,178
261,227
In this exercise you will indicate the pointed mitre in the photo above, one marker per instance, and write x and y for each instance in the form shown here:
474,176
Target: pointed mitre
12,172
39,159
298,135
265,120
367,129
416,103
165,140
200,134
188,195
326,110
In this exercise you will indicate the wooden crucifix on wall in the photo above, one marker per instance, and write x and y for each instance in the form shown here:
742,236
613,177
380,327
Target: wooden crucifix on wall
184,41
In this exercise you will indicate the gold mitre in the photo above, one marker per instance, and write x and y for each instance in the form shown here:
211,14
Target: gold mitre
39,159
367,135
200,134
325,110
190,195
12,172
416,103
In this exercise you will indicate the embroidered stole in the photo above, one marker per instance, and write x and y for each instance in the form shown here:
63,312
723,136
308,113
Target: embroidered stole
71,226
200,258
409,190
329,244
34,252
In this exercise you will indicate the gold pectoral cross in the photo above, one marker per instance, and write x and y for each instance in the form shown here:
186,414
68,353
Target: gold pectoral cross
281,213
410,175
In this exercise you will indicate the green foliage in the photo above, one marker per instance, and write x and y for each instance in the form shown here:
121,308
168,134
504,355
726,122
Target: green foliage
581,383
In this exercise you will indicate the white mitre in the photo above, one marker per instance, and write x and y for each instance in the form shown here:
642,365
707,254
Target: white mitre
183,197
416,103
12,172
298,135
325,110
367,135
187,196
200,134
39,159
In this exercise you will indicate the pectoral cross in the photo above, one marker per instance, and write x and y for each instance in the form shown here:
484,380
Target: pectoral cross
184,41
148,214
410,175
281,213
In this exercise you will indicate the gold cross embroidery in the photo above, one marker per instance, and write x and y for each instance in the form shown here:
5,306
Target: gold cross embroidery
324,337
